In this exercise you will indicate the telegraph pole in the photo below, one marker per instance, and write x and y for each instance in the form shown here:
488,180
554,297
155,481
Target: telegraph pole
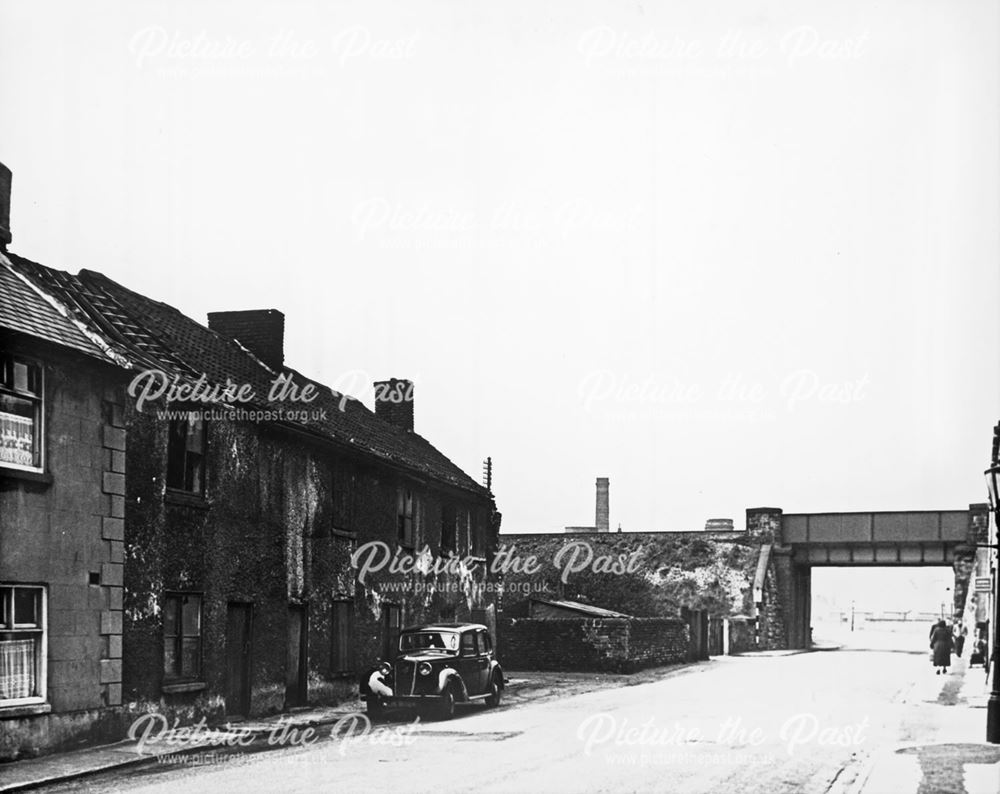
488,474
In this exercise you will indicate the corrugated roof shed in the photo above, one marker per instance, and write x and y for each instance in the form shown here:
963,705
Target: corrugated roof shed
584,610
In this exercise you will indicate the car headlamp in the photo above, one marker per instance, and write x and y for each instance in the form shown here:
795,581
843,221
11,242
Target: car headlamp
385,668
424,668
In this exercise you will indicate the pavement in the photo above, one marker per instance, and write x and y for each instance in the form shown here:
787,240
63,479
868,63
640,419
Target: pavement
959,762
55,768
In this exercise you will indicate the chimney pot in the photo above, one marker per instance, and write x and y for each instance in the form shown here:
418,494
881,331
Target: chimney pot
261,331
394,402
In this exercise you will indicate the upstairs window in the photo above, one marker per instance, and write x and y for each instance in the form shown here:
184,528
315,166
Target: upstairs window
22,644
478,534
404,517
186,454
448,520
20,413
343,497
182,636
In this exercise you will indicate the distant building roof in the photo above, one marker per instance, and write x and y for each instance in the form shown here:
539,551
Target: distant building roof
588,610
154,335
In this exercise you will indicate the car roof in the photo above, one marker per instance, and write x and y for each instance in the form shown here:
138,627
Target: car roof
446,627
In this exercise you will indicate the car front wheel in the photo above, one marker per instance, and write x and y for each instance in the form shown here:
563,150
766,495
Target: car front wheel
496,690
446,705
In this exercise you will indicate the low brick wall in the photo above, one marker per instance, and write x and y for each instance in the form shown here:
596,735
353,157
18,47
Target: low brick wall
654,641
606,644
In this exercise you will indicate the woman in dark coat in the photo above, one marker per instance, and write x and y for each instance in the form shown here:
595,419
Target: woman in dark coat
941,643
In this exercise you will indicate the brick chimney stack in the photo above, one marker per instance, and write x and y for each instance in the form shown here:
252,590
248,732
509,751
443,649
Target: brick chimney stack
394,402
603,512
261,331
5,180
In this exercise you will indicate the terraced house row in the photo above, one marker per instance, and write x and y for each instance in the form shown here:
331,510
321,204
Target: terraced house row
195,558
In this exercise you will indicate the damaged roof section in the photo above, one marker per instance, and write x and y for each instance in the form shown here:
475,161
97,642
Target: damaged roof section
148,334
26,309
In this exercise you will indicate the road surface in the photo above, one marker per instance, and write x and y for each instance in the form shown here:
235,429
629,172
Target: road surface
793,723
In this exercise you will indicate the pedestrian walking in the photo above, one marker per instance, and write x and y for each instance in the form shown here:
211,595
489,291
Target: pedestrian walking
941,644
960,641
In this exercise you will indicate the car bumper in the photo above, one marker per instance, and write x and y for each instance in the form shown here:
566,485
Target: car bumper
401,701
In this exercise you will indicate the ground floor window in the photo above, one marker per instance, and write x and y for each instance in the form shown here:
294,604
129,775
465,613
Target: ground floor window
182,636
22,643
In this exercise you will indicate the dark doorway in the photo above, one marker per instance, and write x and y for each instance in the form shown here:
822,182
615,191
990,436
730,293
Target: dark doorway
697,621
391,624
342,637
239,627
296,680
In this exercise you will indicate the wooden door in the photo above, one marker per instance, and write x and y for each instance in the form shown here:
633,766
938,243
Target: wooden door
392,619
296,680
239,626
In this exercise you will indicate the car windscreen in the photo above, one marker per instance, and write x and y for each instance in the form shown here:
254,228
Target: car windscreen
444,641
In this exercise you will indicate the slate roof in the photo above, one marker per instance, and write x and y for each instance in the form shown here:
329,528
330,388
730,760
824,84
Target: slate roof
24,309
154,335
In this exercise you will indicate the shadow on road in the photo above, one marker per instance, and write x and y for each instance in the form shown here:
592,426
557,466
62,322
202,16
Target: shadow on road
942,766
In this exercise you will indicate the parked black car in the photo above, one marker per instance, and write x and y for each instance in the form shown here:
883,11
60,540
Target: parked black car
435,667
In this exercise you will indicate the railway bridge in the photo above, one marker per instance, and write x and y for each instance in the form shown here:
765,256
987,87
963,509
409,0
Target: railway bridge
792,544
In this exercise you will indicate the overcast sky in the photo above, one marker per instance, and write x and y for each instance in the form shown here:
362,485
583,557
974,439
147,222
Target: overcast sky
726,254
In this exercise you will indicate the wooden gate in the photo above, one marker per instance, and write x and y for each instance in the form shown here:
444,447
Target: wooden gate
716,644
